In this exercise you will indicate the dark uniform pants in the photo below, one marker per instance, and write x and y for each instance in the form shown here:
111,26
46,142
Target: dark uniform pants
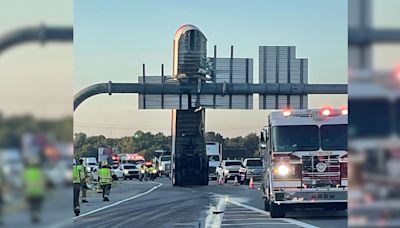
83,188
77,189
35,206
106,190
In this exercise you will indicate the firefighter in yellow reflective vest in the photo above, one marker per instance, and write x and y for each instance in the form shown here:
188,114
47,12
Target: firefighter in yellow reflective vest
105,180
34,188
83,176
143,172
76,179
153,173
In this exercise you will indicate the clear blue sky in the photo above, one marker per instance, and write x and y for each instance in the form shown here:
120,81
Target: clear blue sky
113,38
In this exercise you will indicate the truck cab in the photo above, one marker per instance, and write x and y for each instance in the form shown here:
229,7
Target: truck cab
90,163
305,157
214,154
164,165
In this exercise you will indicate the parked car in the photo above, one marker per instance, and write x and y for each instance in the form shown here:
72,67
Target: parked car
117,173
129,171
252,168
229,169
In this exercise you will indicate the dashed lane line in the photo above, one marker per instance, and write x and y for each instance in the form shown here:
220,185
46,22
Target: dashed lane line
289,220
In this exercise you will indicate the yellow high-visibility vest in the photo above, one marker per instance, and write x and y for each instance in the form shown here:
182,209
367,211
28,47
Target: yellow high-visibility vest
34,181
105,176
76,174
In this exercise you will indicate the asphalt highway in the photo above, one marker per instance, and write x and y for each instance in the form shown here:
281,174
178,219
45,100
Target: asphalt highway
158,204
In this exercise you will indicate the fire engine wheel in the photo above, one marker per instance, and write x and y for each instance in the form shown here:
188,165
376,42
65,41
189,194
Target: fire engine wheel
276,211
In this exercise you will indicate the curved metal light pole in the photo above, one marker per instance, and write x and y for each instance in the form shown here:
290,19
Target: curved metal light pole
208,89
41,34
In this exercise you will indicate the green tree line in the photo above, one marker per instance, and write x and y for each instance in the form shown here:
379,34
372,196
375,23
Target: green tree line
13,127
147,143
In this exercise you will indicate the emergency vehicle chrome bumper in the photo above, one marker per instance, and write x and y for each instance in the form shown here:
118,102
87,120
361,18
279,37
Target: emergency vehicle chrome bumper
311,196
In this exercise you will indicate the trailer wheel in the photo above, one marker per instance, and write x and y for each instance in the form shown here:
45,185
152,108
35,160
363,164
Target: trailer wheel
276,211
205,179
177,176
173,180
266,204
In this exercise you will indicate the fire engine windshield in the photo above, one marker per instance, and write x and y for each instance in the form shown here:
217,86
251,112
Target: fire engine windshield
369,118
334,137
295,138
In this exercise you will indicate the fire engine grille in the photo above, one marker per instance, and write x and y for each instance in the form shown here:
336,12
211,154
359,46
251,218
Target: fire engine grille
328,173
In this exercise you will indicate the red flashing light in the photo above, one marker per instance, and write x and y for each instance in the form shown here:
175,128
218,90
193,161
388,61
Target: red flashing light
286,112
148,163
326,111
396,73
344,111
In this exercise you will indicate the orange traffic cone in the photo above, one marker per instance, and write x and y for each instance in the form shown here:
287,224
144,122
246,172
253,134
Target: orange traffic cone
236,183
220,181
251,185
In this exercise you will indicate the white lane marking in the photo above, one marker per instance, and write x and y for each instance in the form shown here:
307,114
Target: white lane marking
215,220
256,223
244,219
239,212
299,223
194,224
119,202
289,220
